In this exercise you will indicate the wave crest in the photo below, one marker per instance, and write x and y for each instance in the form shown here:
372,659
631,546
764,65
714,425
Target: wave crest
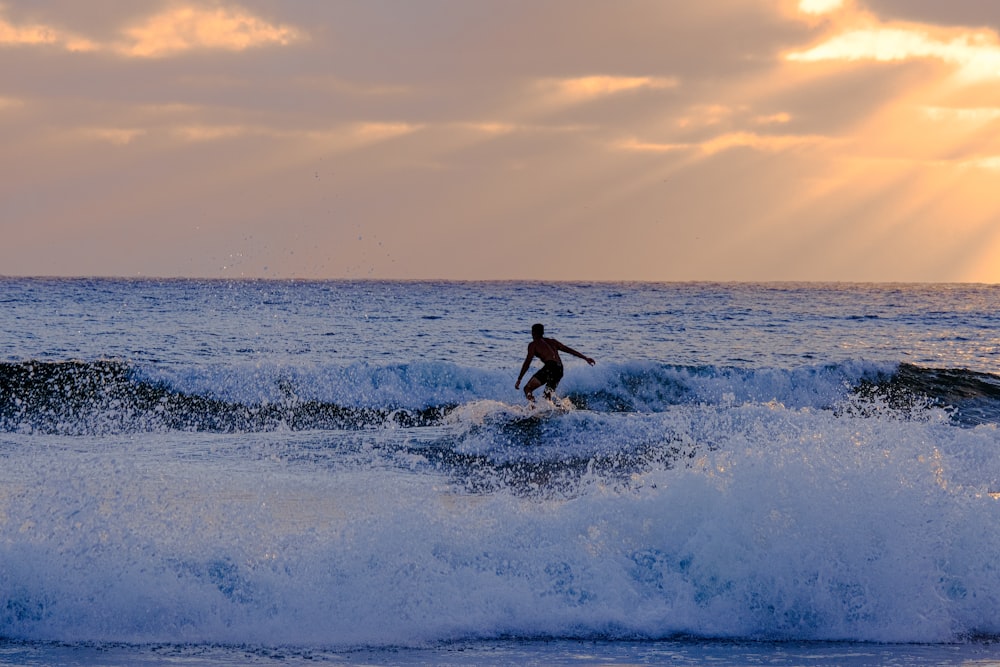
116,396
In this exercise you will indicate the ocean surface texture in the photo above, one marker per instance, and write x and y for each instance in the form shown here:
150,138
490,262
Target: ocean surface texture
299,472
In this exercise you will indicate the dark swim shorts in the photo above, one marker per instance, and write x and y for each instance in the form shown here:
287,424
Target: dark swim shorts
549,374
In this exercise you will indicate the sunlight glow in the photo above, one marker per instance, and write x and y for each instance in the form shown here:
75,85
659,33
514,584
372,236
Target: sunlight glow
977,54
820,143
186,28
820,6
975,116
992,163
774,119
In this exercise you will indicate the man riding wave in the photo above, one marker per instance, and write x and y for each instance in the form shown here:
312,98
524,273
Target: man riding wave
546,349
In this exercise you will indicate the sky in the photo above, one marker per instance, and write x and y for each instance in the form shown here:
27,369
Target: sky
648,140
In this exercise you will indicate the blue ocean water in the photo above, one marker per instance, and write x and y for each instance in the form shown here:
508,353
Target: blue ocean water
215,472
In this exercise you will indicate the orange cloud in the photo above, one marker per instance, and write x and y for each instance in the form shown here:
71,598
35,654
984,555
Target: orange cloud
774,119
182,28
380,131
34,34
42,35
975,54
724,142
196,133
702,115
187,28
581,89
118,136
635,146
354,135
975,116
820,6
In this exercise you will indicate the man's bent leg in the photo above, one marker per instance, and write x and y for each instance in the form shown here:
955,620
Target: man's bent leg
533,384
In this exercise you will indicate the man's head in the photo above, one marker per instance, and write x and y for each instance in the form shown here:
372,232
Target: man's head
537,330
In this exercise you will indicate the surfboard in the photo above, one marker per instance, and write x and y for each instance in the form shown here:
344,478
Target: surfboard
544,408
496,412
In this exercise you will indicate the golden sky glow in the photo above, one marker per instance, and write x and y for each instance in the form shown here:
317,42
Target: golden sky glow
976,55
852,140
819,6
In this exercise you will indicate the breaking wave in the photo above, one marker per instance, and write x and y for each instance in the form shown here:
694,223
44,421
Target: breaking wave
115,396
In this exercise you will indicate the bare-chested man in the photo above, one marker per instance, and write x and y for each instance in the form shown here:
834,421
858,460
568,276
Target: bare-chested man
546,349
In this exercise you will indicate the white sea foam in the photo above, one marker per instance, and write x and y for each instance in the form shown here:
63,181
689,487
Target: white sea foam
638,385
777,523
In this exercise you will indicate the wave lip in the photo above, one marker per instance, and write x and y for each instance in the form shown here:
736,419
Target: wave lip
972,397
110,396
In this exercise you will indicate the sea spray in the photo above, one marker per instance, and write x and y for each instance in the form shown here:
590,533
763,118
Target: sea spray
776,523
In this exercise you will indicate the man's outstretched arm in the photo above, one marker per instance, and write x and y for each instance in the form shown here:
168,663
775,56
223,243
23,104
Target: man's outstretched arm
569,350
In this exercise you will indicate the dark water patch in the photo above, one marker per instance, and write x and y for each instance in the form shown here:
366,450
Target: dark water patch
972,397
111,396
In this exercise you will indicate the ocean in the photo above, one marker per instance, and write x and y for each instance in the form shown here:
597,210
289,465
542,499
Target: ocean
291,472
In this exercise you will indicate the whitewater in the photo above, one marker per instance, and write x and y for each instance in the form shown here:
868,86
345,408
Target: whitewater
286,472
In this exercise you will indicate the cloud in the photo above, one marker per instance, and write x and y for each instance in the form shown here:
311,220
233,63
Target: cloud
174,31
636,146
976,116
760,142
187,28
992,163
333,139
342,137
198,133
19,35
974,54
725,142
585,88
779,118
119,136
607,128
820,6
702,115
598,86
42,35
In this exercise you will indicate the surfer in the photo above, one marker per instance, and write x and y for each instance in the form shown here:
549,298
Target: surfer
546,349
